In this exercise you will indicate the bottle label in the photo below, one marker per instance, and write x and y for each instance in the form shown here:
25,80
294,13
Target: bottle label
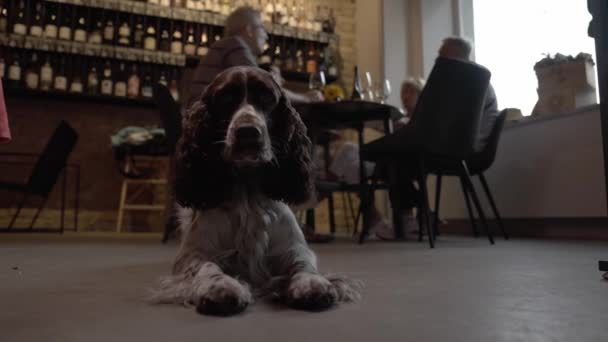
50,31
32,80
120,89
146,91
76,87
14,73
95,38
65,33
61,83
133,87
150,43
36,31
311,66
176,47
46,74
80,35
108,33
106,87
189,49
202,51
174,94
124,31
20,29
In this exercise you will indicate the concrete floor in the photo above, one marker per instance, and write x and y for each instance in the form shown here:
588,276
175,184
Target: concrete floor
465,290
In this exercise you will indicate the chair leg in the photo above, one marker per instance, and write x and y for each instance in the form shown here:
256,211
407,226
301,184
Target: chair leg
482,216
332,214
123,198
38,212
345,211
486,188
467,200
351,209
425,203
437,199
21,204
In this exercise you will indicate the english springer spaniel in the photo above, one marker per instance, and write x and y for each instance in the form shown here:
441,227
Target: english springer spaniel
242,158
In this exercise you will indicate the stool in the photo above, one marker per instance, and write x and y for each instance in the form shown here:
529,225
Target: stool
156,177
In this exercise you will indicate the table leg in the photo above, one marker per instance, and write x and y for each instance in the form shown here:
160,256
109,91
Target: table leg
365,200
63,187
330,197
77,198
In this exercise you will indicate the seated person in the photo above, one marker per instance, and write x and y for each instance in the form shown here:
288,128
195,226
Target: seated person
455,48
345,165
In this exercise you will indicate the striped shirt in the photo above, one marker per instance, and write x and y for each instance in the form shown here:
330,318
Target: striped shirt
223,54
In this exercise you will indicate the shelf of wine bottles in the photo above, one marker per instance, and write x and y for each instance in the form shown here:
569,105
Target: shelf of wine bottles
158,38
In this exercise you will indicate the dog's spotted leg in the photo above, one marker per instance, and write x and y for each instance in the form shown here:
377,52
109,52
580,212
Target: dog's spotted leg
219,294
311,291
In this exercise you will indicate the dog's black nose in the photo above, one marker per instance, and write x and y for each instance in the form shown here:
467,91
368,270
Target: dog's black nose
248,134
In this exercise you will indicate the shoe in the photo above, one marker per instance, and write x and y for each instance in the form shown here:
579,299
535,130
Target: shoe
383,230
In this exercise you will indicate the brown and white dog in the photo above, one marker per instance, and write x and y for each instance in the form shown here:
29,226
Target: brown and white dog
242,158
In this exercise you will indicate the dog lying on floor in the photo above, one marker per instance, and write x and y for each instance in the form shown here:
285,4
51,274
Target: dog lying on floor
242,158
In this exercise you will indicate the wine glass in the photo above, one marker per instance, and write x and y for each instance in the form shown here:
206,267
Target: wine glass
316,81
383,90
368,92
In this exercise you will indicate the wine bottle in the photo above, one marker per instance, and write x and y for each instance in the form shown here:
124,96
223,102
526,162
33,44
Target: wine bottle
65,29
138,34
36,23
124,34
276,57
51,28
96,35
203,45
107,84
61,80
146,86
3,17
46,75
173,87
356,94
150,40
80,33
190,47
163,79
266,56
108,32
2,67
14,72
311,61
120,88
19,27
93,81
32,73
177,46
164,43
76,85
133,83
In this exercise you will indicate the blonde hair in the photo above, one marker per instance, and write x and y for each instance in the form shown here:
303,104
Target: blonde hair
238,20
417,83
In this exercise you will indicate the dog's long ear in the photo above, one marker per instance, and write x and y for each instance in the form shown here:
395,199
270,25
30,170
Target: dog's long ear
202,178
289,178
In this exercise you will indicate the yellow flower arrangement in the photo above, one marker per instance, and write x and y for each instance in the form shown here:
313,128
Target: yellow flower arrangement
333,92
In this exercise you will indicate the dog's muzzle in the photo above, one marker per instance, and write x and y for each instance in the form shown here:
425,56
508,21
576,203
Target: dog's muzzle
247,142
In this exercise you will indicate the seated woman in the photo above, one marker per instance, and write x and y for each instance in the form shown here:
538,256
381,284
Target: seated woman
345,167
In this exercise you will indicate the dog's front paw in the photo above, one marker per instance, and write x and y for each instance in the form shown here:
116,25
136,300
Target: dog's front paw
312,292
225,297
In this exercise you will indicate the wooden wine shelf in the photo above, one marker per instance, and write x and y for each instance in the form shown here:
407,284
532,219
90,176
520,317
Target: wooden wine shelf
96,50
194,16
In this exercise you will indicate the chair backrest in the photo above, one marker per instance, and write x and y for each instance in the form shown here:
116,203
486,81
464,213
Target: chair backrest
170,116
449,108
53,160
484,158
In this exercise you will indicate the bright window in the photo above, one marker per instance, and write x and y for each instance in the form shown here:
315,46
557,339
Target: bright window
511,36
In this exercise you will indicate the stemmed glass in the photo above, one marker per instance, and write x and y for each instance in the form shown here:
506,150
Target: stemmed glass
383,90
316,81
368,93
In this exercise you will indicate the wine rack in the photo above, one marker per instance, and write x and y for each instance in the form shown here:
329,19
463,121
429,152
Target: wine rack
159,64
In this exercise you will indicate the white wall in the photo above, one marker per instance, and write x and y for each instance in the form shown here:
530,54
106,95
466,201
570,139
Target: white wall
548,168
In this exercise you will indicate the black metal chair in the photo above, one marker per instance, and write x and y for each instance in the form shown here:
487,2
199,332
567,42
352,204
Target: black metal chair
444,124
170,117
477,163
49,166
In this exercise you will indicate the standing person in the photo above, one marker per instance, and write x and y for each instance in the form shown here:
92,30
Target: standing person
244,39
